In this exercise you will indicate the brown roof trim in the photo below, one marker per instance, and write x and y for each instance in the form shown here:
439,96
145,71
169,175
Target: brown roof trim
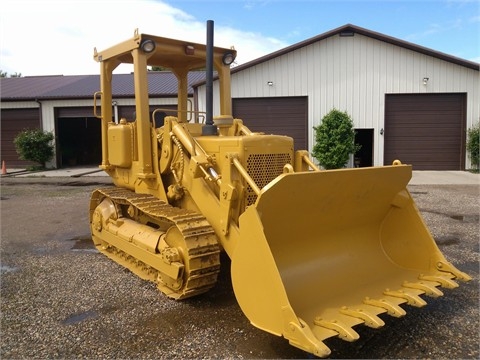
364,32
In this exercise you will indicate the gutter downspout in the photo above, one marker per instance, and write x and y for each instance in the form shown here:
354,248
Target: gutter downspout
40,118
115,111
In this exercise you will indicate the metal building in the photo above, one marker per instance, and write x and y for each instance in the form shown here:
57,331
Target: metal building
407,102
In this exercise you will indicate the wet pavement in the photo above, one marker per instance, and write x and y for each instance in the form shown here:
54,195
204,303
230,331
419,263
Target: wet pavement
60,298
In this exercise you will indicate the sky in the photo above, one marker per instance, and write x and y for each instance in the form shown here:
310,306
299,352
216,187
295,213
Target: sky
58,37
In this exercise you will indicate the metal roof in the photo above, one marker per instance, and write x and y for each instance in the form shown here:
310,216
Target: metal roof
350,30
160,84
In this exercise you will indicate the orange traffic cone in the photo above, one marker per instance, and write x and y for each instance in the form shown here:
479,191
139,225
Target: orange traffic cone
4,168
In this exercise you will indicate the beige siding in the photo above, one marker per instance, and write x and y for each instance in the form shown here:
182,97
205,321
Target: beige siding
353,74
20,105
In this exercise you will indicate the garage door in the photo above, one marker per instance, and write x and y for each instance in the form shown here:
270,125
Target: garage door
426,130
14,121
275,115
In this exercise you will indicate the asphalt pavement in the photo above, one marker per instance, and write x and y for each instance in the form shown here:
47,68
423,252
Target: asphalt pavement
62,299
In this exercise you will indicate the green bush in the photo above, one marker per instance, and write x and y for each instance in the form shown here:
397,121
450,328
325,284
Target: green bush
335,140
473,146
34,145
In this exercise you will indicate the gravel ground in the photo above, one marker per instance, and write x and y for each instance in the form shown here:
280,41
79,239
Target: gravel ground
60,298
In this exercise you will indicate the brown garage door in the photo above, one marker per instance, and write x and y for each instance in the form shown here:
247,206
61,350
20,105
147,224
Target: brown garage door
275,115
14,121
426,130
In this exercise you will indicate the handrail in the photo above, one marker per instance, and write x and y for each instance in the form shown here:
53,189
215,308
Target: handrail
95,104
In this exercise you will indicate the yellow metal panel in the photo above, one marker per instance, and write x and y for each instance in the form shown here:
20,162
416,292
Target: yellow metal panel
324,243
120,145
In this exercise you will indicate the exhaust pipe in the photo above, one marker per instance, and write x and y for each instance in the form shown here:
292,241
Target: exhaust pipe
209,128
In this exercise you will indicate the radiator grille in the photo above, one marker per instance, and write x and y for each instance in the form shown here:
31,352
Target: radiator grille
263,168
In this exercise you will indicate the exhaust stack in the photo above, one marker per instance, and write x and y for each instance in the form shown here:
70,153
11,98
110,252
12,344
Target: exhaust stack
209,128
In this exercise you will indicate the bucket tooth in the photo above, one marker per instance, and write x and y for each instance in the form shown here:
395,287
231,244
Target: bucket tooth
428,288
392,308
345,332
443,280
445,266
412,298
370,319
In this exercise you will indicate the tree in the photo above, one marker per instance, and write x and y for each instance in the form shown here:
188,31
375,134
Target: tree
335,140
4,74
473,146
34,145
158,68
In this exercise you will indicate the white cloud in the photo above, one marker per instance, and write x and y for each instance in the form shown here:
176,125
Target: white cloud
58,36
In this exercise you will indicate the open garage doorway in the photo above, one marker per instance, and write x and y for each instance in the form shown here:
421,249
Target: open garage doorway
364,156
79,141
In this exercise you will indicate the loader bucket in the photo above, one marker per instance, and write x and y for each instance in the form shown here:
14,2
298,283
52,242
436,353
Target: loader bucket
321,252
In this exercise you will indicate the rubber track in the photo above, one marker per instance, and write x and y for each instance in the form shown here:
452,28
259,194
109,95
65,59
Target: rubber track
202,249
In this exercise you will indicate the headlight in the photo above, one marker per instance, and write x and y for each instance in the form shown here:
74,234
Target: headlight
228,58
148,45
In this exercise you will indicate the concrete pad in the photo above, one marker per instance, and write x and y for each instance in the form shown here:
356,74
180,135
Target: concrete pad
419,177
66,172
425,177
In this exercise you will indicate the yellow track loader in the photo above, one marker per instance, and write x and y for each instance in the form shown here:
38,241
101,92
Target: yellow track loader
313,252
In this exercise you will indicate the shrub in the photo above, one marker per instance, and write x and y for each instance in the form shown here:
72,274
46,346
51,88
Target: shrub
34,145
473,146
335,140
